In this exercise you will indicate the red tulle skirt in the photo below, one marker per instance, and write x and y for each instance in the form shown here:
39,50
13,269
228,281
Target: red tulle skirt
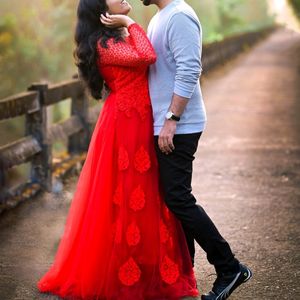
120,240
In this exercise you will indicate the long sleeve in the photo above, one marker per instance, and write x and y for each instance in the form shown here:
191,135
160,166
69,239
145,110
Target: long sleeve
185,41
135,51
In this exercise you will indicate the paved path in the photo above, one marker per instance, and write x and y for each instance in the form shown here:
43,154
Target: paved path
246,176
247,173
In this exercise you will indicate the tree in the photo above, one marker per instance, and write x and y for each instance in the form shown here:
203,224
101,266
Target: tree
36,43
296,5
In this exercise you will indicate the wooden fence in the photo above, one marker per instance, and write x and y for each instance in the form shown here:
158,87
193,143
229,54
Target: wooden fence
36,146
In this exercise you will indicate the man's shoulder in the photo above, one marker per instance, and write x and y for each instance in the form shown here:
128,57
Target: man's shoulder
183,15
184,21
183,9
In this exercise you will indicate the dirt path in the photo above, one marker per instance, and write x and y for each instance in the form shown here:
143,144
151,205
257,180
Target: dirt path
247,172
246,176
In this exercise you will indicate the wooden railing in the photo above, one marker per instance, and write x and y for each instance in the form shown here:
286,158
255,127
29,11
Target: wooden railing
218,53
36,146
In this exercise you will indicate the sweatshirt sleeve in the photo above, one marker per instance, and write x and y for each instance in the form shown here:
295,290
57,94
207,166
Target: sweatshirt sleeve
184,36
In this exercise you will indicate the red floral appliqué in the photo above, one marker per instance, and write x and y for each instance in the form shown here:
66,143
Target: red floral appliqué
133,235
123,160
164,232
142,160
169,270
129,272
137,199
118,194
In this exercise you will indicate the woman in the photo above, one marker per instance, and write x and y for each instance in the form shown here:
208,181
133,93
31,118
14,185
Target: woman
120,240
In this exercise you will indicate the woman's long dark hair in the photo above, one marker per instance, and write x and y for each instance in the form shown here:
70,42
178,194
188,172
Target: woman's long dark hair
89,30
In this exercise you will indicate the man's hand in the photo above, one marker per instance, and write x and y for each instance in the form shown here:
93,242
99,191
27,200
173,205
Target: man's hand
165,139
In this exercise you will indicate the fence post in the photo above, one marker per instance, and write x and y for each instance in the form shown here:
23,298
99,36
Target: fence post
36,125
79,142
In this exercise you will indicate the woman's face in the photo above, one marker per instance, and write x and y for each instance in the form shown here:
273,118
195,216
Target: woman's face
117,7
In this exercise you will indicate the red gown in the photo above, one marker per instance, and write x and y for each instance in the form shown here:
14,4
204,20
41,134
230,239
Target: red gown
120,241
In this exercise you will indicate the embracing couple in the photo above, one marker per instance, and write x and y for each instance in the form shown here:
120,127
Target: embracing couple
133,220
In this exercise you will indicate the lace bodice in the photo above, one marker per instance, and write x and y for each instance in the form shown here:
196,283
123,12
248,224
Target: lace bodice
124,67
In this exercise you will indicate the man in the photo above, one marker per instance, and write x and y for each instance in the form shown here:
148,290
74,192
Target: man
179,120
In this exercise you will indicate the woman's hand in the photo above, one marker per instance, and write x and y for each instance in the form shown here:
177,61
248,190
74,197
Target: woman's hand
115,21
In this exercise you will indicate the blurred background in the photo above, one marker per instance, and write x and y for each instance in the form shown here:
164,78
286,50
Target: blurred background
247,171
32,31
36,41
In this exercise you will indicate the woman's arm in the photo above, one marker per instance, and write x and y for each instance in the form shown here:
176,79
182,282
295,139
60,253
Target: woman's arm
135,51
140,42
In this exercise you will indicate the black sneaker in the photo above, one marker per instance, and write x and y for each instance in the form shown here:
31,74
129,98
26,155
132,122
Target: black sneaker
225,284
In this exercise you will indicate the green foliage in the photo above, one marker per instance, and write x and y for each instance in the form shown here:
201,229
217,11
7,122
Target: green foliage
36,36
228,17
35,44
296,5
36,40
221,18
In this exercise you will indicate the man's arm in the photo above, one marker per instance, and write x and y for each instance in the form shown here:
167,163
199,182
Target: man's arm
165,139
185,42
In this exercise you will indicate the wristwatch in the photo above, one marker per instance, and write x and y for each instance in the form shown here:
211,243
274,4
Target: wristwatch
171,116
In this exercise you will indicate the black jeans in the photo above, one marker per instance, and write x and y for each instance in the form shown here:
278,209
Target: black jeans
175,179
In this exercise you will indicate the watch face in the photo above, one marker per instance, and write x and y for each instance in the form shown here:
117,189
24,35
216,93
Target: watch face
169,115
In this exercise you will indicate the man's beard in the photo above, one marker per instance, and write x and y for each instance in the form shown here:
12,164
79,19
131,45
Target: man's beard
146,2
